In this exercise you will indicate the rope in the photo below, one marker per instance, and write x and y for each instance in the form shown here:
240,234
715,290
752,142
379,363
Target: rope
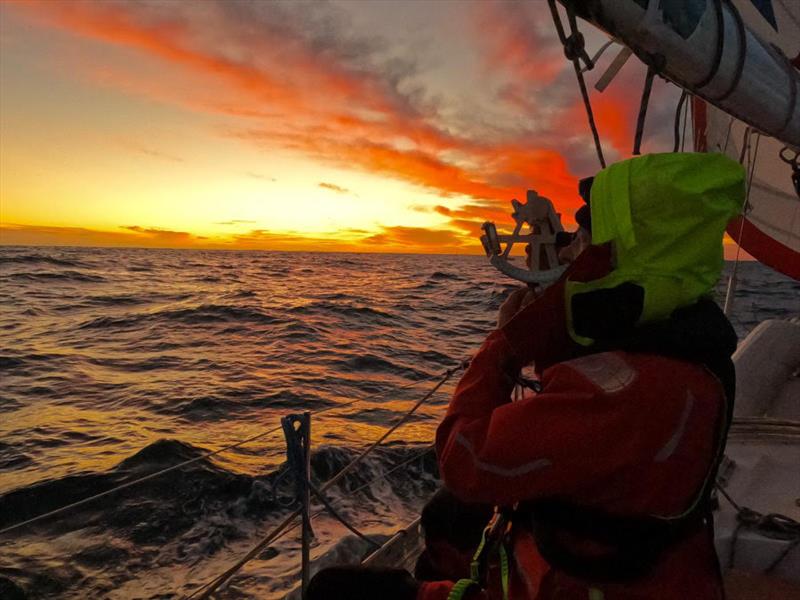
645,101
751,164
685,121
728,134
206,590
296,429
574,49
774,525
597,55
186,463
326,503
360,488
676,129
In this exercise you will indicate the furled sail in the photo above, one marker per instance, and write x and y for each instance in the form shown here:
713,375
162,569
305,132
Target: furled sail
709,48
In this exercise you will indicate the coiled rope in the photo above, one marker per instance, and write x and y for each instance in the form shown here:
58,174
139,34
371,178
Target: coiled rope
199,458
773,525
209,588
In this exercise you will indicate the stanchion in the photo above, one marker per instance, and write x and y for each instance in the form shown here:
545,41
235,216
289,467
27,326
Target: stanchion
297,429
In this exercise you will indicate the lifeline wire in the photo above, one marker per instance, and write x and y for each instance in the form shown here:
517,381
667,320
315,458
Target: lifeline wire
191,461
206,590
366,485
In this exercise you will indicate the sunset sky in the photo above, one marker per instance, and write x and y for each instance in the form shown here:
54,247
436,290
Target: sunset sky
340,125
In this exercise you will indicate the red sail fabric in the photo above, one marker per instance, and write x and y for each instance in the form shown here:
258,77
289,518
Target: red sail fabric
766,249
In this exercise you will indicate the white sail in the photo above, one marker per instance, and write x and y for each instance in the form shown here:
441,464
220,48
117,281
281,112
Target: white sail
770,226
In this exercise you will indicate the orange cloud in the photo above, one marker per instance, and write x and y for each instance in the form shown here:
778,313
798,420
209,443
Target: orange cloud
350,103
390,239
303,81
131,236
405,238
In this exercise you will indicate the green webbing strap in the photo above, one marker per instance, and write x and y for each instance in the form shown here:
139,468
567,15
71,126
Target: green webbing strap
460,588
504,570
475,565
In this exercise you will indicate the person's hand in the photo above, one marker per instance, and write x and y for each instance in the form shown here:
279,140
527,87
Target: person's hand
516,301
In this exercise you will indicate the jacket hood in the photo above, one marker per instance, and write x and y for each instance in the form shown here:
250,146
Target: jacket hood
664,215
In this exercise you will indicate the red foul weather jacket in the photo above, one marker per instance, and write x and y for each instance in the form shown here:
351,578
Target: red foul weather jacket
628,433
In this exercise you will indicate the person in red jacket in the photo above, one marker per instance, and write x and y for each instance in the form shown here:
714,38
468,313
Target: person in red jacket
603,477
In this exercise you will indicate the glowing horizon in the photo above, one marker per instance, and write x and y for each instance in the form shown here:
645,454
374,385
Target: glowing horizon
341,126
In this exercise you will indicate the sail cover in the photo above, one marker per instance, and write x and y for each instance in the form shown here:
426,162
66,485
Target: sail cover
769,228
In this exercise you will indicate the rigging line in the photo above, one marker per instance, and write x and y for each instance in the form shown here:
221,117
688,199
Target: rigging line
728,135
597,55
186,463
206,590
366,485
685,120
326,503
751,164
286,530
573,47
728,497
335,514
676,126
645,101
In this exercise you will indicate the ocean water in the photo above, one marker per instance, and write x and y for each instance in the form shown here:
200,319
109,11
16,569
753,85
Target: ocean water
115,363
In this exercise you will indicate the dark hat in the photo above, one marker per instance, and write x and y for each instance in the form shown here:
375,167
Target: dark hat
585,188
583,217
584,214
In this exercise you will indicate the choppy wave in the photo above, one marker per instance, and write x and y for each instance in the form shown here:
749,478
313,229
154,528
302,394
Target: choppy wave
42,259
196,315
73,276
191,514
